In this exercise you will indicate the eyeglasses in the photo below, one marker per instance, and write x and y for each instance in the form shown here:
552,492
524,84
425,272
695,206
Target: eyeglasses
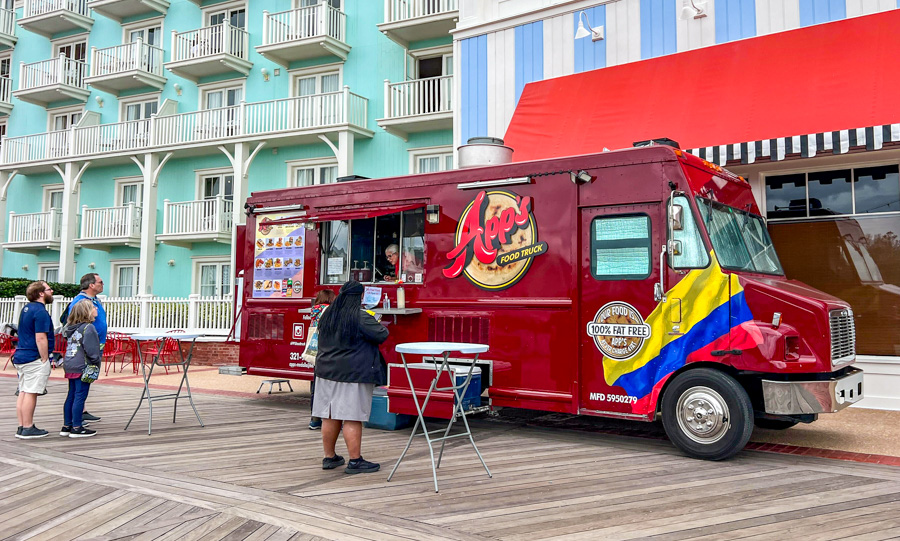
48,289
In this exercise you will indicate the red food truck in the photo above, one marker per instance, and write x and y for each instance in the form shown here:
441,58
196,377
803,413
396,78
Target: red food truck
638,284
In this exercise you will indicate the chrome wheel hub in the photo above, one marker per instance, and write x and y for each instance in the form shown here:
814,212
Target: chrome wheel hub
703,415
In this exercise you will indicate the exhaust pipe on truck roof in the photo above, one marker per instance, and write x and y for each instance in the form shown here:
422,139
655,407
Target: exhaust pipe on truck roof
482,151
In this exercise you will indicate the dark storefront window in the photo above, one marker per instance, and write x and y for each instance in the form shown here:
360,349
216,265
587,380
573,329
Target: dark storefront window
851,254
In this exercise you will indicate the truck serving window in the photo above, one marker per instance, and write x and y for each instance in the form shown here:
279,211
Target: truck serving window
693,253
620,247
739,238
382,249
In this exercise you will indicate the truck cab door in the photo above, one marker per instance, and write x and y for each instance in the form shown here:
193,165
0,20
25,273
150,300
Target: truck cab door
620,264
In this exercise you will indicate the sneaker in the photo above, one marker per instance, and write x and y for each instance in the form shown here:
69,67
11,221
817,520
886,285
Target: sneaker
82,433
18,431
65,431
315,423
31,432
361,465
88,417
333,462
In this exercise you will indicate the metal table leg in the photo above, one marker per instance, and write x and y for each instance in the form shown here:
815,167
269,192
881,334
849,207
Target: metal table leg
458,392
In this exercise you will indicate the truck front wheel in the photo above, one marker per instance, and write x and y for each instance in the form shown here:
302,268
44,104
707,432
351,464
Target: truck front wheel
707,414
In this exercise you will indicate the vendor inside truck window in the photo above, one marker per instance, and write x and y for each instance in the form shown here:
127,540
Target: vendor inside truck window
383,249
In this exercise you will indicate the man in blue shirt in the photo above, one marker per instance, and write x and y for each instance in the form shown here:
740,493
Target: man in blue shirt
91,286
32,357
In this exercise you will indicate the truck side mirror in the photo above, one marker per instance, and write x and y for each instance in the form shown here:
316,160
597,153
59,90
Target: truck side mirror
676,217
674,247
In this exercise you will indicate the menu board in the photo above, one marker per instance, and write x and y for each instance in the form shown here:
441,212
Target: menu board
278,259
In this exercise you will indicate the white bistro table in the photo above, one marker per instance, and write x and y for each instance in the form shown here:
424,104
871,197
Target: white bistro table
443,349
184,362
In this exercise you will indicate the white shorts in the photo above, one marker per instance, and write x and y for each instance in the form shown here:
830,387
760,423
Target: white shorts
33,376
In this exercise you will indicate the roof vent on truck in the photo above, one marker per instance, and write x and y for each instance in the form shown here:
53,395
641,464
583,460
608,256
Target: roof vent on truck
482,151
661,141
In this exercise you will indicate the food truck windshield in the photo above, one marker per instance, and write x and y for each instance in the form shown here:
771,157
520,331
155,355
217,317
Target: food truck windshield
739,238
382,249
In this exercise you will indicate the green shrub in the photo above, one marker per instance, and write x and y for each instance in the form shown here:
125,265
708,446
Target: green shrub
10,287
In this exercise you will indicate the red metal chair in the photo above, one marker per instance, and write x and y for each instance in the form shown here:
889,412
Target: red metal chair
111,351
167,349
7,347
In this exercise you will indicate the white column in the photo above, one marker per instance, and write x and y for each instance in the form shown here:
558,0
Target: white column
345,153
148,224
5,180
71,177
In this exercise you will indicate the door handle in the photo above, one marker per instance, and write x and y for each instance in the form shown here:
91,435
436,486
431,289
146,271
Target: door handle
659,288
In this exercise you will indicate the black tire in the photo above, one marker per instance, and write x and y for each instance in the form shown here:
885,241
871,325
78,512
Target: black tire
773,424
721,415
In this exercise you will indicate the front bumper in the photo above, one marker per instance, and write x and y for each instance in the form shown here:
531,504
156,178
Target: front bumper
800,397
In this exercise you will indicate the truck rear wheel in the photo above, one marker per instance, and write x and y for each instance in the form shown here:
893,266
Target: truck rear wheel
707,414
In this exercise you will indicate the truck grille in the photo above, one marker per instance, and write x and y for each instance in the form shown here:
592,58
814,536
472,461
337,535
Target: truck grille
470,329
843,337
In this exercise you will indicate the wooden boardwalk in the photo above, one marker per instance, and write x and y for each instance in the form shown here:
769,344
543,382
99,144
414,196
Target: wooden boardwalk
254,473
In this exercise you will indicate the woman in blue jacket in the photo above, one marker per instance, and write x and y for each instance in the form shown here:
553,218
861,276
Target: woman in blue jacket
348,366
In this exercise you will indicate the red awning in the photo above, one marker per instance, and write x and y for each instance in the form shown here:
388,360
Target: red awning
361,213
827,87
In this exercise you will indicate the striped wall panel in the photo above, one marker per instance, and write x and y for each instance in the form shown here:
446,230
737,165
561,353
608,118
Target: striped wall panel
822,11
529,55
735,19
776,16
501,81
589,54
658,32
559,55
623,32
473,81
855,8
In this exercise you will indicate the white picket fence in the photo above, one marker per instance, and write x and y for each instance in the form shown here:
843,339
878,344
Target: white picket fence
210,316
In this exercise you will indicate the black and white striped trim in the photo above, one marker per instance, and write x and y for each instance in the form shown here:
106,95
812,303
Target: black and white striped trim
807,146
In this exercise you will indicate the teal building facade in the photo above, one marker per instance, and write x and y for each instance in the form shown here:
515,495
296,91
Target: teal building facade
135,129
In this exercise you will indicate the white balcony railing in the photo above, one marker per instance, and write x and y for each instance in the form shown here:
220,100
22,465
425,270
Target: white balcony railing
7,22
418,97
303,23
37,227
212,40
111,222
56,71
401,10
128,57
205,217
117,137
266,118
33,8
212,316
5,89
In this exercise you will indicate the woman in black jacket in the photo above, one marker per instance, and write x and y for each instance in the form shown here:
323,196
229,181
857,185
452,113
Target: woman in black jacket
348,366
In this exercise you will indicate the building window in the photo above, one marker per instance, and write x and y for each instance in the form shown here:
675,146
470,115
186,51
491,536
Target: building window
125,277
368,250
431,160
48,272
620,247
837,231
76,50
311,172
53,197
139,109
213,185
129,190
212,278
863,190
151,33
64,119
222,97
